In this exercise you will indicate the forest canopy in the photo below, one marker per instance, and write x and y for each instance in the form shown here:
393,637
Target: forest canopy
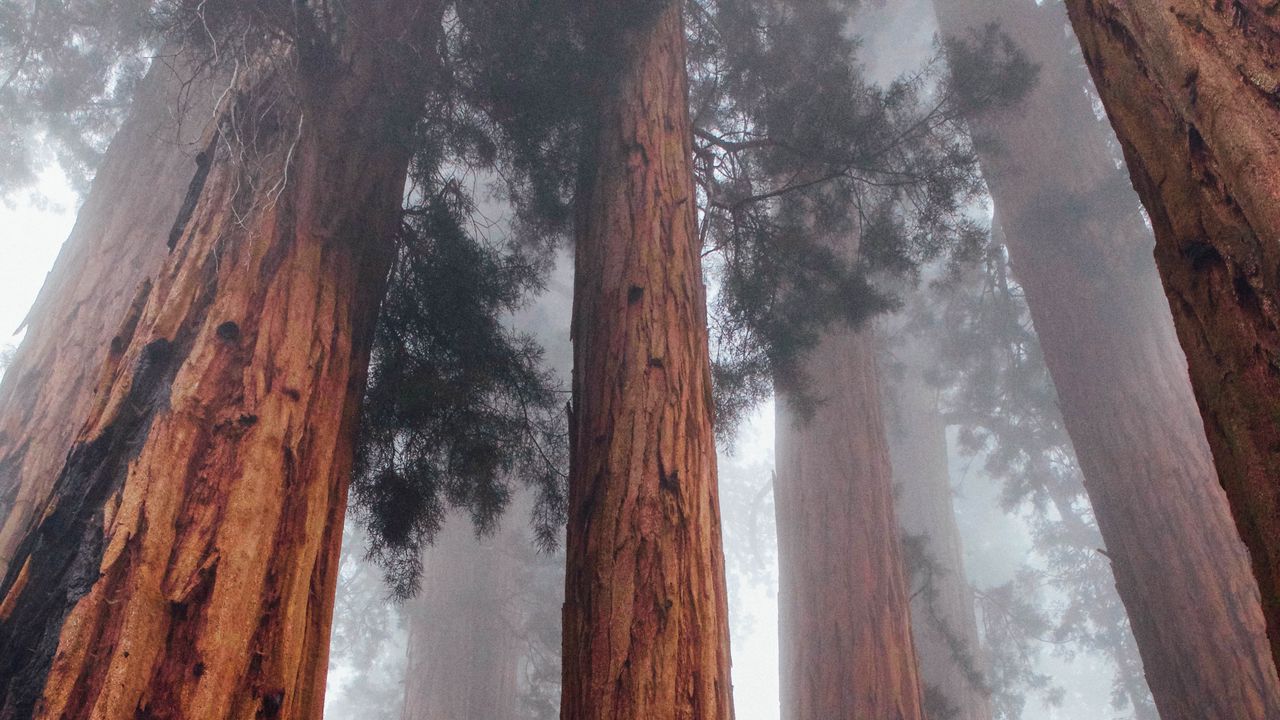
620,324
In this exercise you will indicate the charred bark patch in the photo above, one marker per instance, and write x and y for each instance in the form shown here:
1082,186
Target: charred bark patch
1202,256
669,481
68,540
120,341
203,163
272,703
1195,145
229,331
1246,296
10,464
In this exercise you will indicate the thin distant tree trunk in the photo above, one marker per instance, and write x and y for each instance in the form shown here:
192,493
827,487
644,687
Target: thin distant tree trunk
943,620
1078,247
1191,89
844,617
185,564
645,616
464,654
119,239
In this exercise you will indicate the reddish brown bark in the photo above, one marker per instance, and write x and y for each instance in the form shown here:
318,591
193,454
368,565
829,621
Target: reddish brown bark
119,239
185,565
943,621
1191,89
464,652
1078,247
844,617
645,619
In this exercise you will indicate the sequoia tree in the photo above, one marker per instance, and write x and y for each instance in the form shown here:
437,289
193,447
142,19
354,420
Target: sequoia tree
1077,245
818,181
464,653
184,565
1190,89
943,619
645,627
996,393
844,618
119,239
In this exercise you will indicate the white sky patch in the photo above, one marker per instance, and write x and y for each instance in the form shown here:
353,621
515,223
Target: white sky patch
753,644
30,235
754,650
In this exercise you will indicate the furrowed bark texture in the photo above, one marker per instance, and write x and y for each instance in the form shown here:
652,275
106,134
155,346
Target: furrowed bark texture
645,616
844,622
943,621
118,239
185,565
1193,92
1079,249
464,654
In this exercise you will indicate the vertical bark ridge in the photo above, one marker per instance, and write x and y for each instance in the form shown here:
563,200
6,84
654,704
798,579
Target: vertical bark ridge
1078,248
645,615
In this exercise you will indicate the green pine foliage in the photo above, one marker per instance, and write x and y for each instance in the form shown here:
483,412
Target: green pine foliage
818,192
458,406
67,73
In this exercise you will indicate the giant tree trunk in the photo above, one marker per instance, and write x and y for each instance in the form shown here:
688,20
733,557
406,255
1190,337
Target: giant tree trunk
1191,89
119,239
645,616
464,653
185,564
844,618
1078,247
943,620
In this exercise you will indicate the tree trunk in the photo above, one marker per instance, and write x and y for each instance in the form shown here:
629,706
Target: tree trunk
119,239
645,616
464,654
844,618
185,564
1191,89
943,620
1078,247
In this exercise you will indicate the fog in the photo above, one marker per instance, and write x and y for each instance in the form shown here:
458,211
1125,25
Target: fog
1062,677
960,467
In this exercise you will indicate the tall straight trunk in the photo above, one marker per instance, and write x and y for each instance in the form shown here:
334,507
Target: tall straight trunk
843,610
119,238
185,564
1191,89
944,623
1078,247
645,617
464,653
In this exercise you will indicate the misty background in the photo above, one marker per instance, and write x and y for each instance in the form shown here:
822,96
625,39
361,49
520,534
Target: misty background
1004,543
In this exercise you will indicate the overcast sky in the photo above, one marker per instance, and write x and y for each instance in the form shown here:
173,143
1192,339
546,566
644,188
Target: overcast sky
30,235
